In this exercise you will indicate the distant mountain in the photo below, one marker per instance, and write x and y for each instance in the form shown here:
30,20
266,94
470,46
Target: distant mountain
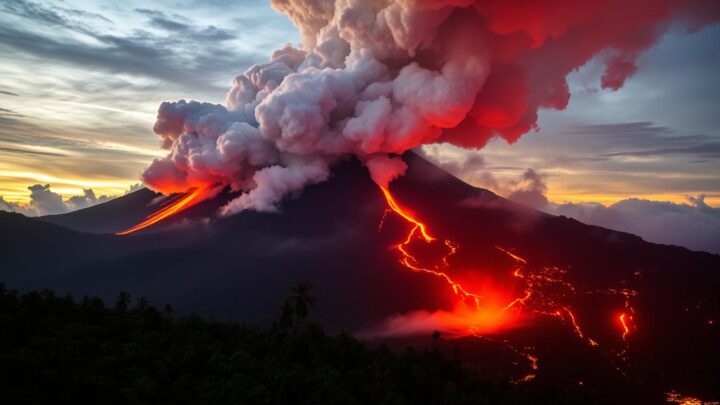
123,212
239,268
116,214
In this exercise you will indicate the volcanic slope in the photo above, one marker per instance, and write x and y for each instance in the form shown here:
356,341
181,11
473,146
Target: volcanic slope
616,305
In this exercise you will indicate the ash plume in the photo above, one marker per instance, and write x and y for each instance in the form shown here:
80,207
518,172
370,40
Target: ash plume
373,79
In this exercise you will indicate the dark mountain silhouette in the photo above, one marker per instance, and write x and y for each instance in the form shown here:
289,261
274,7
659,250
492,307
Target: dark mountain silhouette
239,267
123,212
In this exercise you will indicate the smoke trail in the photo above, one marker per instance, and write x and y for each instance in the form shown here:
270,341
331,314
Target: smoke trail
375,78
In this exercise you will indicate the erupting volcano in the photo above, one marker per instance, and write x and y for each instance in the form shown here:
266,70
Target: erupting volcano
519,291
285,177
349,165
544,291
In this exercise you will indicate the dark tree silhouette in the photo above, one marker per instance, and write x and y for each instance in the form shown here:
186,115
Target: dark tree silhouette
301,299
56,350
295,308
123,301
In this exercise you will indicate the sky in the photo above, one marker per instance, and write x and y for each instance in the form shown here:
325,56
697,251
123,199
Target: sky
658,137
81,82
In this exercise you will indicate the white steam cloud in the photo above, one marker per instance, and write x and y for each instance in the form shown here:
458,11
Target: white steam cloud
376,78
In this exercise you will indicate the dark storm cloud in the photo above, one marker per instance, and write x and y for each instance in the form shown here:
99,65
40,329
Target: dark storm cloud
9,93
142,53
179,25
51,15
705,150
138,55
9,113
34,11
11,122
160,20
646,139
29,152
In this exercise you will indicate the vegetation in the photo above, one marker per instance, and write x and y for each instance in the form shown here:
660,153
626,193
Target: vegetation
57,350
54,349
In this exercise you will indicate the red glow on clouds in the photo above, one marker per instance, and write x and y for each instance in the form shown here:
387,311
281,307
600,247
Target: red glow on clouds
536,44
375,79
463,320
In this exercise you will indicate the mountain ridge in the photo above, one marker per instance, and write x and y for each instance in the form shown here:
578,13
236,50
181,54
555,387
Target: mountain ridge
238,268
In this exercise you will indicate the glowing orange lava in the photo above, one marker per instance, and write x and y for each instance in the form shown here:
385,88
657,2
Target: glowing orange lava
574,323
187,200
419,231
674,397
624,325
407,215
546,289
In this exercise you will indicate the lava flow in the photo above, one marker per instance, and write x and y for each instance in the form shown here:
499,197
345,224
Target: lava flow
624,324
419,230
184,201
546,291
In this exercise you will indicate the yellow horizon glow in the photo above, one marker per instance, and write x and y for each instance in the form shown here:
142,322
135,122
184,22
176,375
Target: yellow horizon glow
610,199
14,185
18,192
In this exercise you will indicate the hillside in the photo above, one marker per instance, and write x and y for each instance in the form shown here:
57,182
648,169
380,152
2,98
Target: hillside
238,268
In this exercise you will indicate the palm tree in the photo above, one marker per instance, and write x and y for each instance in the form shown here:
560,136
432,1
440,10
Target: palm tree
295,306
123,300
301,299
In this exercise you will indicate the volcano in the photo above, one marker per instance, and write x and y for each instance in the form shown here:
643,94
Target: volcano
582,306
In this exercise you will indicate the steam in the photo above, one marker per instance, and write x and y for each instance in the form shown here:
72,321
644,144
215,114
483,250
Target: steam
374,79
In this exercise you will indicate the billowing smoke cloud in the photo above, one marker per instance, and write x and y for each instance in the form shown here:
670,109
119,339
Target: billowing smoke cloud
529,190
374,79
44,201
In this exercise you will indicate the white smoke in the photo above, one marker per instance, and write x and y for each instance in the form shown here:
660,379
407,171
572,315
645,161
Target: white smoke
376,78
356,88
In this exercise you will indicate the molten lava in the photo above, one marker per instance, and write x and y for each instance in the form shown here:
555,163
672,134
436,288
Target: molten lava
406,215
419,231
546,290
187,200
623,323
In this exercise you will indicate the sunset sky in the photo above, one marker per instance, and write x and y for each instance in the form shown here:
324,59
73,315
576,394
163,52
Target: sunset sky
81,81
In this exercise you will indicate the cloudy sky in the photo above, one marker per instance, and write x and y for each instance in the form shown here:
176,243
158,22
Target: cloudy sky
657,138
80,83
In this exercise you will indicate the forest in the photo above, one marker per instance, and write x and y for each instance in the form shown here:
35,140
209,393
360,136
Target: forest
56,349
